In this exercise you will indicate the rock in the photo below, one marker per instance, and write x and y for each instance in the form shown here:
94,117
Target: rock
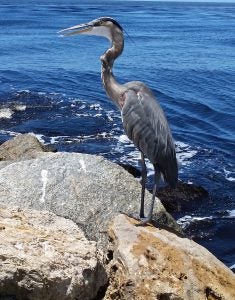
44,257
132,170
150,263
85,188
183,197
23,146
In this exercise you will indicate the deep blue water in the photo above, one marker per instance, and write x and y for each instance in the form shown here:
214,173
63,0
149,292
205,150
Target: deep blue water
184,51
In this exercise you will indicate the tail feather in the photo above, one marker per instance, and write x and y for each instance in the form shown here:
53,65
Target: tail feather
169,169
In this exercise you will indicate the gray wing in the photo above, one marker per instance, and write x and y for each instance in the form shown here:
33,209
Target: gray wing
145,124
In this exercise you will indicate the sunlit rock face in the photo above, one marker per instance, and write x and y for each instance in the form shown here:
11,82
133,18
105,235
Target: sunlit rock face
43,256
151,263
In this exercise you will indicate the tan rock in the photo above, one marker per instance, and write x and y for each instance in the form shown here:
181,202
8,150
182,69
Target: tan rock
150,263
43,256
23,146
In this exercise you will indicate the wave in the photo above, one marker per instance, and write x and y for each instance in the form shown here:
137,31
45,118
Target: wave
129,153
9,132
188,220
228,175
184,153
231,213
6,113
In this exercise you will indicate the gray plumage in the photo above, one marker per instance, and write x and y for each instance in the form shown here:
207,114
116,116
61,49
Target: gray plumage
142,116
145,124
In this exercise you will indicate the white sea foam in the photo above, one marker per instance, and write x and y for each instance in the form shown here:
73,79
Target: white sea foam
231,213
232,267
53,140
79,138
8,132
75,100
82,106
232,179
187,220
228,175
109,116
20,107
184,153
39,137
112,115
6,113
96,106
123,138
133,155
103,134
57,139
83,115
23,91
122,144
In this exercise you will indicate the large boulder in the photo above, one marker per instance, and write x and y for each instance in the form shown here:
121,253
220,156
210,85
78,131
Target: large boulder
45,257
150,263
85,188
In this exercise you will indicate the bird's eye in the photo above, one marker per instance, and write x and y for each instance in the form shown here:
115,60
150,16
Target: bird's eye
98,24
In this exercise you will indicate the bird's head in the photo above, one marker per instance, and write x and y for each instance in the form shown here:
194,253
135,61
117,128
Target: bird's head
104,26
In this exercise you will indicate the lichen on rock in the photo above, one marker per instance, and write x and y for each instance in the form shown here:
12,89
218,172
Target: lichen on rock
152,263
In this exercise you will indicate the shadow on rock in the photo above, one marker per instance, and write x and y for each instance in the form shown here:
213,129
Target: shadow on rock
182,198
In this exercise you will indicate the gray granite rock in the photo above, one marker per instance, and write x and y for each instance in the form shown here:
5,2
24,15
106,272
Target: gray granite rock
85,188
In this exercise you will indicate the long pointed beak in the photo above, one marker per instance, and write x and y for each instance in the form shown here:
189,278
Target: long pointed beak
77,29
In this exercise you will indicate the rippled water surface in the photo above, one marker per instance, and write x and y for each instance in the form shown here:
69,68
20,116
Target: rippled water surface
184,51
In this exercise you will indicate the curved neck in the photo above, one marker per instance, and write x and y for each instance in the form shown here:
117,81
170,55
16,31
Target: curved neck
111,86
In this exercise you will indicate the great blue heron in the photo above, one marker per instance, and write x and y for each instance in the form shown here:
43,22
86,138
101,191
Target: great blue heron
142,116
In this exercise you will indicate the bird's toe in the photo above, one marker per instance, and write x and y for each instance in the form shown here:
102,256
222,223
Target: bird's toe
131,215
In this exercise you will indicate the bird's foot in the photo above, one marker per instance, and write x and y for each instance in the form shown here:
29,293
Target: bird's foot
143,221
130,215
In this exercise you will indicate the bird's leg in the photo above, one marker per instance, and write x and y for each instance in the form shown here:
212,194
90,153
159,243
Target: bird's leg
135,216
150,214
143,183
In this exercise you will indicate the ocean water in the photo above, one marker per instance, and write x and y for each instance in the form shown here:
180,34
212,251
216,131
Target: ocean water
184,52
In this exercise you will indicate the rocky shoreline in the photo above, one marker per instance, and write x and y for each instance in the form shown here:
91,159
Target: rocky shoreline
62,235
